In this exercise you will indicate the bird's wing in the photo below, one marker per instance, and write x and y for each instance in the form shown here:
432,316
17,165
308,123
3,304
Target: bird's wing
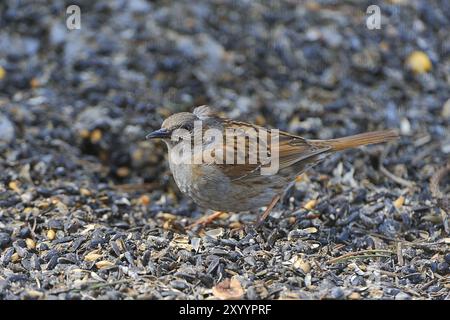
288,150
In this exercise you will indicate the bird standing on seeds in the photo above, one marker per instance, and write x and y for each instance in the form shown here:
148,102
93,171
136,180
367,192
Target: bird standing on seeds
237,186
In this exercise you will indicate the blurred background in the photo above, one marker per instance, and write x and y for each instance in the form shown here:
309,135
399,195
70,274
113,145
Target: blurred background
308,67
75,105
312,68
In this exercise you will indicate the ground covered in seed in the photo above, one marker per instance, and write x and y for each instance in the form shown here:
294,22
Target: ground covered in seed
88,208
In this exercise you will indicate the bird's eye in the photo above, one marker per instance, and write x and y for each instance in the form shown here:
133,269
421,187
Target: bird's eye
180,134
186,126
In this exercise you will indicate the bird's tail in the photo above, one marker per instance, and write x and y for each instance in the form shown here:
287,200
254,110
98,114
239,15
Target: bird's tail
358,140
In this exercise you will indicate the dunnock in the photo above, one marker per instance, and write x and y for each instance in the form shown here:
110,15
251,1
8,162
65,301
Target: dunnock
236,185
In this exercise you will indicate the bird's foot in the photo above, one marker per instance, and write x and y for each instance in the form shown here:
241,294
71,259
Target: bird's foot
203,221
266,212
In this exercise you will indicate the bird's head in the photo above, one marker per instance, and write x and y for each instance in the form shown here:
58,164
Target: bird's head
182,123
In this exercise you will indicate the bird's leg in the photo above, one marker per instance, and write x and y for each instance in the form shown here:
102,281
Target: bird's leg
206,220
261,218
267,211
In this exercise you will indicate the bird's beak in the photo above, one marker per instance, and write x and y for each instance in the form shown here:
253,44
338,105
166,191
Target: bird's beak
161,134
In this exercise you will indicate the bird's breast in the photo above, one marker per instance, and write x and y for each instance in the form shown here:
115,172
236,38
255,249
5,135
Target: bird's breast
211,189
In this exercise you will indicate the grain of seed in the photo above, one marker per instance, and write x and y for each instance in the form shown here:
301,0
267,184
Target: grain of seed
310,205
92,256
31,244
51,234
399,202
104,264
96,136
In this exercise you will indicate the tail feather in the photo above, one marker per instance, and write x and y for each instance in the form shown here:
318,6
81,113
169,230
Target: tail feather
358,140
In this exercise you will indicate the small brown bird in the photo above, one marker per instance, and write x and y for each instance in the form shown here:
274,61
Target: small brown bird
235,185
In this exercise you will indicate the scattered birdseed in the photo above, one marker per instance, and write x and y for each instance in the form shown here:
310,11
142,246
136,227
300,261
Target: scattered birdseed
419,62
310,205
51,234
30,243
104,264
2,73
89,210
399,202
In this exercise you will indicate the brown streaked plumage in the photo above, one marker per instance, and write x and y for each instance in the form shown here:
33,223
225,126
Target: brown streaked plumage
241,187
